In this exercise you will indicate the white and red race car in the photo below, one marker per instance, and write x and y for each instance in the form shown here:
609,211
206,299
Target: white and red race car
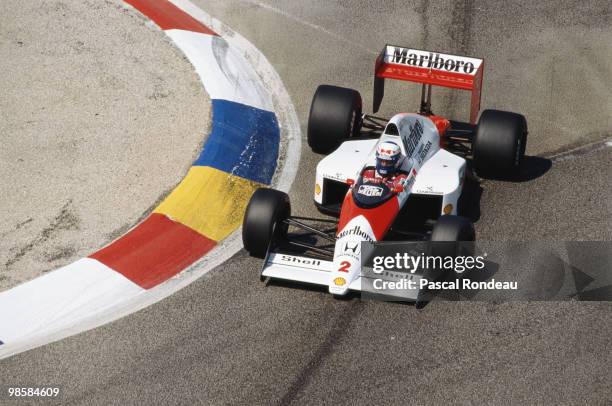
423,206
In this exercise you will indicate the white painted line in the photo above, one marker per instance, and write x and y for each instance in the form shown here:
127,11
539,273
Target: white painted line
315,27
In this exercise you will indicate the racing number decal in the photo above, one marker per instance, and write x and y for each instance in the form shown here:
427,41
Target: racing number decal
344,266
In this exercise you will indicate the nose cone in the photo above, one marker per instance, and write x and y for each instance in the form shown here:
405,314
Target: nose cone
346,270
347,254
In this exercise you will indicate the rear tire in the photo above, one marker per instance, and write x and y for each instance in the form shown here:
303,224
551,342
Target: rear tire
335,115
263,220
499,146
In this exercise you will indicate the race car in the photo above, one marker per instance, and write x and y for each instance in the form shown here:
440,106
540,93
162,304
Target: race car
422,202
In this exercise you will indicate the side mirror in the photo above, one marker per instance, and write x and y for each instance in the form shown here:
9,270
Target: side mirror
350,182
398,189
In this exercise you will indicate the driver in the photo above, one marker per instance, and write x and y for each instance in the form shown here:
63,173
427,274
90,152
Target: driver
389,159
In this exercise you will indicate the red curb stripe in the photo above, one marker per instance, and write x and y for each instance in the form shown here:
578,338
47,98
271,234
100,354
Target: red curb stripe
168,16
154,251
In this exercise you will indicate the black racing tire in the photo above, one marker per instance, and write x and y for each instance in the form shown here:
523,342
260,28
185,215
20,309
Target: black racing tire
452,236
263,220
335,115
499,145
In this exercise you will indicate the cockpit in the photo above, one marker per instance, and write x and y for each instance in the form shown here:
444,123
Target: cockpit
391,129
368,194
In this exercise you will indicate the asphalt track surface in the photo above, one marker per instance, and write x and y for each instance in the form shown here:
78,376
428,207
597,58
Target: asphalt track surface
229,339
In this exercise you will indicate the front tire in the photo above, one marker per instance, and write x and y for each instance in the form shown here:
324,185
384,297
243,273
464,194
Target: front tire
335,115
499,146
263,220
452,236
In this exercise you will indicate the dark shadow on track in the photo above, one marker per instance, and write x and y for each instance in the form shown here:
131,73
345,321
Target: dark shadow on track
533,167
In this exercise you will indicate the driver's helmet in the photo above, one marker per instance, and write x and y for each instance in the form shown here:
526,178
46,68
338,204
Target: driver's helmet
388,156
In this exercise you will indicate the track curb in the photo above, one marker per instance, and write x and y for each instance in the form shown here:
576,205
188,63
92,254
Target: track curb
254,141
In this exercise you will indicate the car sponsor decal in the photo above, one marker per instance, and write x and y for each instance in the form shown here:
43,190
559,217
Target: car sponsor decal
370,191
337,176
339,281
414,136
408,183
356,231
351,249
428,190
299,261
432,60
344,266
423,150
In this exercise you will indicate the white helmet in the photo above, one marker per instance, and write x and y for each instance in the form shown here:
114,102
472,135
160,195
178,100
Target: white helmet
388,156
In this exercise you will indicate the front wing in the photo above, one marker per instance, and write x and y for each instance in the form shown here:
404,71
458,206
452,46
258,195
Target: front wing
318,272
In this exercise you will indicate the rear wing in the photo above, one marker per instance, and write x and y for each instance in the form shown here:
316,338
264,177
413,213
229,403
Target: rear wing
429,68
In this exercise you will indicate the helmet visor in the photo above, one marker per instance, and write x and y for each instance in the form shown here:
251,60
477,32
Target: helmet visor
386,163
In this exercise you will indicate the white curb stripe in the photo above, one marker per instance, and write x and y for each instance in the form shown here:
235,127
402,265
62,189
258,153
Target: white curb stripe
225,74
62,298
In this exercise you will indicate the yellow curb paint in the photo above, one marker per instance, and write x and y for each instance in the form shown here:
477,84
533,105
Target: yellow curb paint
209,201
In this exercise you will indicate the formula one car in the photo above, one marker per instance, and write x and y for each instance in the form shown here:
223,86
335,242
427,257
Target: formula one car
422,206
